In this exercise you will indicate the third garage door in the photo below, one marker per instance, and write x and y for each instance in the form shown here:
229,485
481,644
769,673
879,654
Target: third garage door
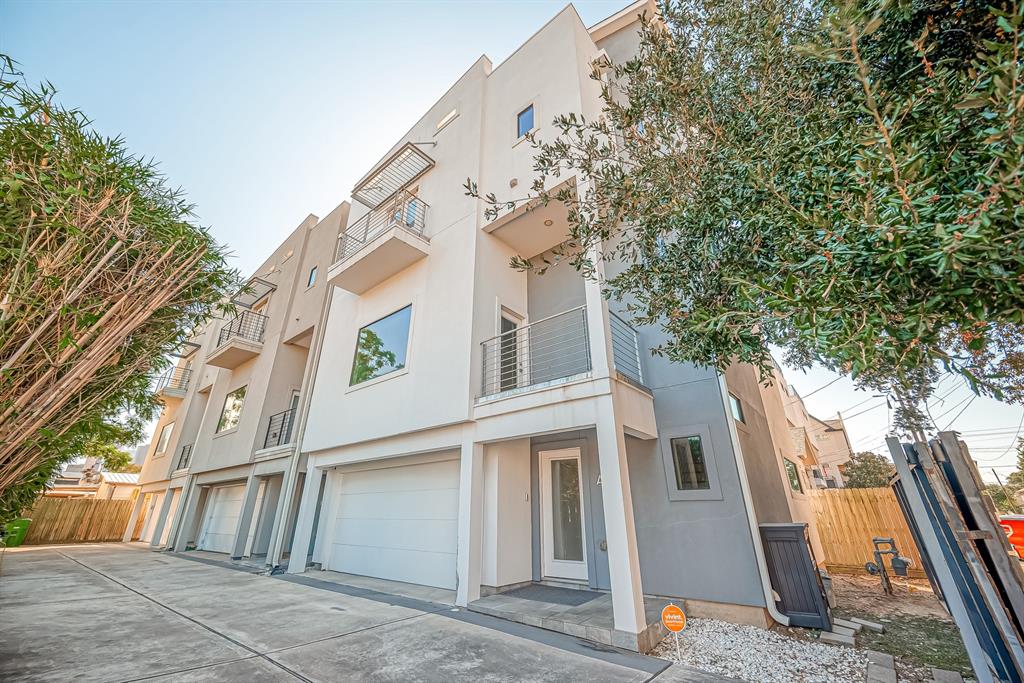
398,523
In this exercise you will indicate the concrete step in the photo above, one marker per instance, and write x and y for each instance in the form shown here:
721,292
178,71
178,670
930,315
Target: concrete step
853,625
881,668
836,639
869,625
842,630
943,676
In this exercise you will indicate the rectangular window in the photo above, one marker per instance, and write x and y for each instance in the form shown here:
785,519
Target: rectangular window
311,280
737,408
381,347
690,467
447,118
794,476
524,122
165,436
232,410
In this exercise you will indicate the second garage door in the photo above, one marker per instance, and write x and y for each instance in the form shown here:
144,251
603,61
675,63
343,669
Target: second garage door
223,506
398,523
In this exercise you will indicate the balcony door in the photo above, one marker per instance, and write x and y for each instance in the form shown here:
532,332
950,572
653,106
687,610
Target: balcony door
562,514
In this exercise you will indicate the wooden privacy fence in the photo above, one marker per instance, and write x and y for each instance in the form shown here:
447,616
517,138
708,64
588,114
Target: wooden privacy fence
77,520
849,518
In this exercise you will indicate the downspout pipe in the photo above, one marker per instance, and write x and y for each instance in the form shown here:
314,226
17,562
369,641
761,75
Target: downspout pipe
748,503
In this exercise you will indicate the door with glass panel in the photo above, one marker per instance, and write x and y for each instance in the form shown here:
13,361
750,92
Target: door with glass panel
562,514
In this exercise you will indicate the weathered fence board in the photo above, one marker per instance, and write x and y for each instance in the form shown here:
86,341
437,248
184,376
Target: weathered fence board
77,520
849,518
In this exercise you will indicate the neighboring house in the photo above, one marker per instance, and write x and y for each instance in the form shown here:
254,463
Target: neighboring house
223,450
117,485
139,456
823,444
76,480
461,424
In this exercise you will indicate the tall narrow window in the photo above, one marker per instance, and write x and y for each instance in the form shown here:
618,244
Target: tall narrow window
794,476
524,122
690,467
737,408
509,350
311,280
381,347
165,436
232,410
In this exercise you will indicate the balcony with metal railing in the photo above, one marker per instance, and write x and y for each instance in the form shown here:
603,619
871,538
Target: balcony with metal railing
239,340
626,350
279,429
381,243
173,383
554,349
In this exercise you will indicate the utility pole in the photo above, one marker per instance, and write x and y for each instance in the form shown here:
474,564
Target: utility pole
1009,500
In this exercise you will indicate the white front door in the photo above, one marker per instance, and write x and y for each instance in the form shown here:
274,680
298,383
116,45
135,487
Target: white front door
561,512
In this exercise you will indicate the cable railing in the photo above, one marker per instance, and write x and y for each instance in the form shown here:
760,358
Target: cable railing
184,458
549,349
625,349
246,325
404,210
175,379
279,429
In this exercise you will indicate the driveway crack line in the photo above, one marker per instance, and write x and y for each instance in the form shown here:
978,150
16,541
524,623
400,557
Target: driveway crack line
170,609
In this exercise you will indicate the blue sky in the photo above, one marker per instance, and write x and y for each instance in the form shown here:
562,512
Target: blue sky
266,112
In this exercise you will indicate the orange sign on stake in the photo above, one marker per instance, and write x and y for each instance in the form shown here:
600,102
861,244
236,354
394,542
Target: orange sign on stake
673,618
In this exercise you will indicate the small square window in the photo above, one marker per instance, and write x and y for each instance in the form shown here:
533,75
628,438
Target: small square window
690,467
524,122
311,280
737,408
794,476
232,410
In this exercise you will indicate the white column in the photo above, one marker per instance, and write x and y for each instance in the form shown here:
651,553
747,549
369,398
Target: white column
161,518
620,531
252,488
597,320
304,522
134,517
471,512
187,516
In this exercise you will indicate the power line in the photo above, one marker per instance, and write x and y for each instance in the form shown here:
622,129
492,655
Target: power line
961,412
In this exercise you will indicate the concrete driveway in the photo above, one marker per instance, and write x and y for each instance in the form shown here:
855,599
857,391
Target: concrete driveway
112,612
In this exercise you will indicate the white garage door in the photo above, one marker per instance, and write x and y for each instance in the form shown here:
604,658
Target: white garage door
223,506
398,523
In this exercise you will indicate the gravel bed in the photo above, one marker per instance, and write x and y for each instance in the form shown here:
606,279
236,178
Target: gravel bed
754,654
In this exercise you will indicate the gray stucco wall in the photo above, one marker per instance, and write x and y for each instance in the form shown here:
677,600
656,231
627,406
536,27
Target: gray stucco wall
558,289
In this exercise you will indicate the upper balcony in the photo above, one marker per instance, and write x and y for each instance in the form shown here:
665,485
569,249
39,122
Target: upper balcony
553,351
239,340
173,383
534,227
380,244
279,429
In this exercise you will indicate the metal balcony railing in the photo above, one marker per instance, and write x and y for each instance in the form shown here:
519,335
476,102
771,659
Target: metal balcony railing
404,210
549,349
625,349
175,378
279,429
184,458
246,325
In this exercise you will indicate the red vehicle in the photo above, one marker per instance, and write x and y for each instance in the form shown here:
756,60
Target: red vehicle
1013,525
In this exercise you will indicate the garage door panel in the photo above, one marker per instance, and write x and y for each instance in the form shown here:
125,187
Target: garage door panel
426,568
398,523
221,520
436,504
410,534
406,478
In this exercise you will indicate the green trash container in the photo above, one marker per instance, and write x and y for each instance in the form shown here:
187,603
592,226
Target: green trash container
15,532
